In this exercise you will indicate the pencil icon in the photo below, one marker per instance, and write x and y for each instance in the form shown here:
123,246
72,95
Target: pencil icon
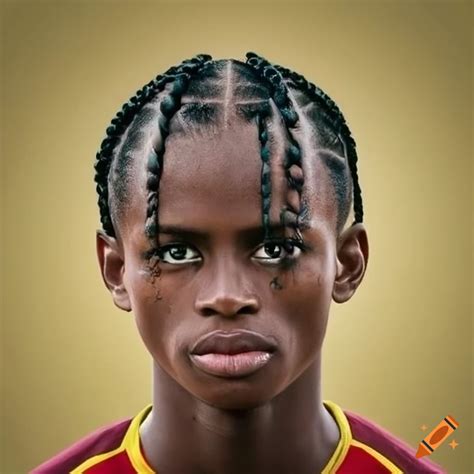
437,436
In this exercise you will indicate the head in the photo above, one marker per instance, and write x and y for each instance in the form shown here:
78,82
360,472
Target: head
224,192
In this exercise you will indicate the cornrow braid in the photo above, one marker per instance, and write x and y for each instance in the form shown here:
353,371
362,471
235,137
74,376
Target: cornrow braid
266,170
169,105
343,132
114,132
292,163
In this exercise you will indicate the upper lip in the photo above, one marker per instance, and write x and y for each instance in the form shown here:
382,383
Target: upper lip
233,342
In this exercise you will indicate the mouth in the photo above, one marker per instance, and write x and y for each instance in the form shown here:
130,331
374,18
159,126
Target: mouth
235,365
232,354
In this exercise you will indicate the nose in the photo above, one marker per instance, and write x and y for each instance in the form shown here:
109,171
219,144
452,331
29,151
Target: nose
226,292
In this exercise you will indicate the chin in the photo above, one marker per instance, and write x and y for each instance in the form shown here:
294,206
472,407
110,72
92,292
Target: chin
235,398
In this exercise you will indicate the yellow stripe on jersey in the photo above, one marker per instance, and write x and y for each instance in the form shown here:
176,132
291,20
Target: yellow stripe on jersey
131,442
380,457
345,440
96,460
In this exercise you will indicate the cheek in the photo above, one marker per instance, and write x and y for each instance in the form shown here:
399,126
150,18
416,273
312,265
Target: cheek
311,281
151,307
307,295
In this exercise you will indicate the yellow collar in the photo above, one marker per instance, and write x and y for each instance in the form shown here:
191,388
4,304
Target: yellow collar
344,441
131,440
131,443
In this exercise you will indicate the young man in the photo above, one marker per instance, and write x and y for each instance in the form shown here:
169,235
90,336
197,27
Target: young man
224,190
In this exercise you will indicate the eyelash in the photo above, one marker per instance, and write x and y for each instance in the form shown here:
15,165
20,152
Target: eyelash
281,243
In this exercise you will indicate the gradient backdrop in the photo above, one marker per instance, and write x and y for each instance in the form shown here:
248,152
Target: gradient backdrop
399,352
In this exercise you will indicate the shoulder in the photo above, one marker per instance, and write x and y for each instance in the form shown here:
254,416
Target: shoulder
370,440
104,439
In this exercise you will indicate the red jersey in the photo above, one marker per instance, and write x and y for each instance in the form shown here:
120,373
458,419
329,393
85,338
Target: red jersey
363,448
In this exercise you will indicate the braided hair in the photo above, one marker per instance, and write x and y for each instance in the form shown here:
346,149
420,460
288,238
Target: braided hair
104,158
338,124
194,90
291,213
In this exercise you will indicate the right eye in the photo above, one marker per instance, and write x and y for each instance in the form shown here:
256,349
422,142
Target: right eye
272,251
178,254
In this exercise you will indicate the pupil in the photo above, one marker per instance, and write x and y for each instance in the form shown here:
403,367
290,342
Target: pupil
178,252
270,249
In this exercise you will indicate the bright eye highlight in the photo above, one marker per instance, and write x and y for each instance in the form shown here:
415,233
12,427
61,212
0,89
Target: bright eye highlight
178,254
273,252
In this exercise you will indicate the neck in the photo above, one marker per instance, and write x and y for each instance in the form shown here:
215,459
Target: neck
293,432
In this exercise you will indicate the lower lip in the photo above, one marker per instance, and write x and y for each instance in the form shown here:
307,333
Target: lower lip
235,365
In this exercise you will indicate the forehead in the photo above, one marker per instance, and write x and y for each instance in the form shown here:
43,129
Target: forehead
212,174
212,181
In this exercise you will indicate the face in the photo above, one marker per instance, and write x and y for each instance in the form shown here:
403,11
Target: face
222,276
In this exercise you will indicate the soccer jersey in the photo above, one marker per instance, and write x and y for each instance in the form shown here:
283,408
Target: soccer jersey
363,448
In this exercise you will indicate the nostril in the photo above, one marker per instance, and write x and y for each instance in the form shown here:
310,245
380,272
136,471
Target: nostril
228,307
208,312
248,309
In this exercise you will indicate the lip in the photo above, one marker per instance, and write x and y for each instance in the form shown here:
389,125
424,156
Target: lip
236,365
233,342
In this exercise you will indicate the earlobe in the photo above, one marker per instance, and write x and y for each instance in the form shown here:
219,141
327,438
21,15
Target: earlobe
352,259
112,267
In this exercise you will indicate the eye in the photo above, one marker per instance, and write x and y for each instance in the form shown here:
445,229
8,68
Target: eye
275,251
178,254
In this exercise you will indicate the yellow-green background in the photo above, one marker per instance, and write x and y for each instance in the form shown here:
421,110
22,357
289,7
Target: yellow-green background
399,353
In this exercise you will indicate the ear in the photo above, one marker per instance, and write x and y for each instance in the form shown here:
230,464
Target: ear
112,267
352,258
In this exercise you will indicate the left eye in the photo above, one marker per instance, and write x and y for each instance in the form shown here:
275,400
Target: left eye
276,251
178,254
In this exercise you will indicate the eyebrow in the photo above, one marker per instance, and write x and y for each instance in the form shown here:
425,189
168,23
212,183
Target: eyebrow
191,232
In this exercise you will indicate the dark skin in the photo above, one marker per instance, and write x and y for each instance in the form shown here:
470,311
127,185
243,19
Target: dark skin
272,420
